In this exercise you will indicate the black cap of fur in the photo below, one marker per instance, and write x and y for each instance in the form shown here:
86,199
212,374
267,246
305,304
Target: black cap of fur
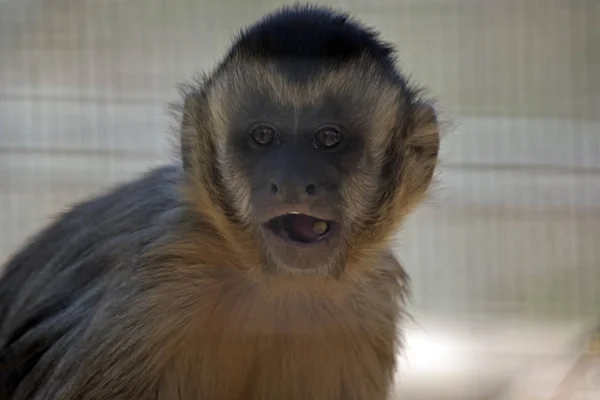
312,34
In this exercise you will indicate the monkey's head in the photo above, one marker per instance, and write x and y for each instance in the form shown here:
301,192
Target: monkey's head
308,142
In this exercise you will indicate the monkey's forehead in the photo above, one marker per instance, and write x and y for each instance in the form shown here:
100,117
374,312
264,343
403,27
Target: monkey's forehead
358,83
359,90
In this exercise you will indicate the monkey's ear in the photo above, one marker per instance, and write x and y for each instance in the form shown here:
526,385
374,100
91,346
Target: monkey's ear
425,137
421,147
189,128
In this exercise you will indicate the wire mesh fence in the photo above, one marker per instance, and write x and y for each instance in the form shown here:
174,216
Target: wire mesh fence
510,231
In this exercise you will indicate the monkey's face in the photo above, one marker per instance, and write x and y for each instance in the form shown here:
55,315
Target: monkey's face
302,162
294,164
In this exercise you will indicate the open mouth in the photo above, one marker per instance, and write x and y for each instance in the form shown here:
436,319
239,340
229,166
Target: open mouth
300,228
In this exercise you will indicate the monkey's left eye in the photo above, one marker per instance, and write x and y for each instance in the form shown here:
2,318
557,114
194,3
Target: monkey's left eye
327,138
263,135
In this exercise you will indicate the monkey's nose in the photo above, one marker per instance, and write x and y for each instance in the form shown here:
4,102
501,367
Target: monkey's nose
309,189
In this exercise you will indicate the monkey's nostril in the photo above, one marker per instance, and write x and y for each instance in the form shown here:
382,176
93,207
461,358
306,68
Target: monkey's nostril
311,189
273,187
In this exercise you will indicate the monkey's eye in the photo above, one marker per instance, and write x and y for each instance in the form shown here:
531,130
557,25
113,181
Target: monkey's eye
327,138
263,135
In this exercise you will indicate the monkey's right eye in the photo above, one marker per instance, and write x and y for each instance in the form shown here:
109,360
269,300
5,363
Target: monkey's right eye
263,135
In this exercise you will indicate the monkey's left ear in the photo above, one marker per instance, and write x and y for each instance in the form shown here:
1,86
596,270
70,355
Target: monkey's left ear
421,147
426,135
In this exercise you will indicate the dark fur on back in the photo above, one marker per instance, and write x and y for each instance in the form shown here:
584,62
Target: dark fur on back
52,287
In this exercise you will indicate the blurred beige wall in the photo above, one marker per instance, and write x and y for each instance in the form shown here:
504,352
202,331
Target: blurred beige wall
504,256
479,57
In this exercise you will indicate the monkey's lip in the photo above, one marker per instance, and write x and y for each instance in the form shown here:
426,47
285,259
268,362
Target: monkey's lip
300,229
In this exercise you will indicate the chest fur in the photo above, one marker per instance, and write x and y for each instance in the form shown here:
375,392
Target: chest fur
300,351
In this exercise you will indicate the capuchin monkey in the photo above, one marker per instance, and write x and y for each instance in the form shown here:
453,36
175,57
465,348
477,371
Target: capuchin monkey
260,266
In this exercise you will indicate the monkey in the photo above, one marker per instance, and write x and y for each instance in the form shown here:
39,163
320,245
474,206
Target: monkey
259,265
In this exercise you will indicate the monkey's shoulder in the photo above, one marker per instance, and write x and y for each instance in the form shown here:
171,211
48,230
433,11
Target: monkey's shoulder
127,210
56,281
92,237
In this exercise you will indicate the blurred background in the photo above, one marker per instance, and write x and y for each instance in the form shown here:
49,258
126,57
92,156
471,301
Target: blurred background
504,256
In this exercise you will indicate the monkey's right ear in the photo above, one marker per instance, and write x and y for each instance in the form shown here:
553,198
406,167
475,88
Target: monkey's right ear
189,128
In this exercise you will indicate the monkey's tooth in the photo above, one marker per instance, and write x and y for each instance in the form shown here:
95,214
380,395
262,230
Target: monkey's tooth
320,227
